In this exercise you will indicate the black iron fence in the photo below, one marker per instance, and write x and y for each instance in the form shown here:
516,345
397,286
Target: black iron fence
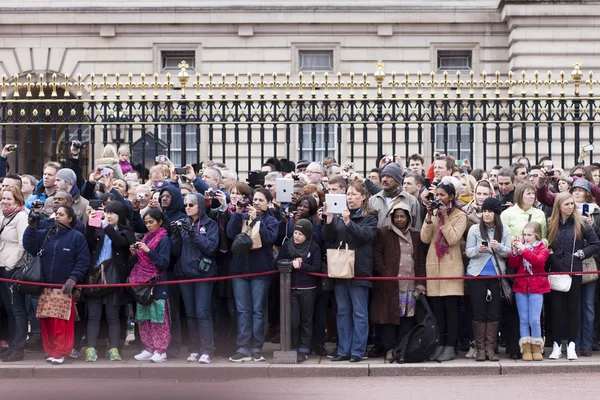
244,121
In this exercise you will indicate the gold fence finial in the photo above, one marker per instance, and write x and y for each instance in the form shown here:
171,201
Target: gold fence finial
379,76
16,85
576,75
28,86
183,76
590,83
5,85
41,85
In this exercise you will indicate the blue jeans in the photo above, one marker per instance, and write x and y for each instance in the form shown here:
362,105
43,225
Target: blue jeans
530,310
250,300
585,333
31,303
197,299
14,304
352,318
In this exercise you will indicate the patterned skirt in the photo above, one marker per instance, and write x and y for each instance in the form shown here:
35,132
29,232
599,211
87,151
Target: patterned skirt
154,312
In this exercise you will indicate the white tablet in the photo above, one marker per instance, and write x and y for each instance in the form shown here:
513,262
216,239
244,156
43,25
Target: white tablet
336,203
285,189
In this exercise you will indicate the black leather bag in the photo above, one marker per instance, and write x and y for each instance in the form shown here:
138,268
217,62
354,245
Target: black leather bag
143,295
104,273
31,272
242,243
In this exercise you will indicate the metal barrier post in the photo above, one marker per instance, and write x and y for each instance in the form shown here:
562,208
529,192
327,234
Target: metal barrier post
285,355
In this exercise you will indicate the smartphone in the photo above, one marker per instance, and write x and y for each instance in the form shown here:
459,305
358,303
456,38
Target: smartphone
517,238
180,171
160,159
12,147
585,209
459,163
96,221
427,183
484,243
95,204
589,147
105,171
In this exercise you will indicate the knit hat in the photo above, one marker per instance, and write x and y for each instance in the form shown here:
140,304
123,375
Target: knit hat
583,184
67,175
394,171
305,227
492,204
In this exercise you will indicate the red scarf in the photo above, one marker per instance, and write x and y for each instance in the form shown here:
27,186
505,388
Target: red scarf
144,269
441,244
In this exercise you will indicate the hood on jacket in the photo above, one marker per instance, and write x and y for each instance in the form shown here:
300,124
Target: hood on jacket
176,207
400,206
201,208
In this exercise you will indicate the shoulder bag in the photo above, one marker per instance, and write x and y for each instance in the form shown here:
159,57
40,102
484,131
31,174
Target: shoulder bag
505,288
562,283
340,263
31,272
244,242
102,274
143,295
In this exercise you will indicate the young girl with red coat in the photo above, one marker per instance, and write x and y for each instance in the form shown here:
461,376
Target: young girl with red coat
529,258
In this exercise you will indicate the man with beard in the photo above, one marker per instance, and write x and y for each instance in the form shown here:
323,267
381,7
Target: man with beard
506,187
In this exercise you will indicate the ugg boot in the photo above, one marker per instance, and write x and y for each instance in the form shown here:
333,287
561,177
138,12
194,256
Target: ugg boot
479,333
491,335
525,346
536,349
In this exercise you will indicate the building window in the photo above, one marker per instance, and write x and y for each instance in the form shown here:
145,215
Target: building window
465,145
454,60
170,59
316,60
305,149
190,141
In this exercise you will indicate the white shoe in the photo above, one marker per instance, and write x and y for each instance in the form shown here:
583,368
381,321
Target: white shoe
58,361
194,357
205,359
472,351
49,359
143,356
159,358
571,354
556,351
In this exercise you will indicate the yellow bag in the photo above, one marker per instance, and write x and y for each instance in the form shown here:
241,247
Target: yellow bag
340,263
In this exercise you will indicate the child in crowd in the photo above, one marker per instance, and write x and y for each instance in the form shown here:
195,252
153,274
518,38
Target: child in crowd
529,258
306,256
124,159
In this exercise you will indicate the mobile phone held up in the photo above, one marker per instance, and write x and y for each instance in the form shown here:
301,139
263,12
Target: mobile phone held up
484,243
585,209
589,147
180,171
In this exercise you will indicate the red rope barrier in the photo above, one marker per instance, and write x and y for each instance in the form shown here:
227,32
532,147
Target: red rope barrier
217,278
450,278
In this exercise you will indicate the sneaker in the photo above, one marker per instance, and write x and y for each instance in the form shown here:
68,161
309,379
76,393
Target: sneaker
114,354
13,356
158,357
49,359
75,354
301,357
571,354
556,352
58,361
205,359
472,351
240,357
257,356
194,357
91,355
447,354
145,355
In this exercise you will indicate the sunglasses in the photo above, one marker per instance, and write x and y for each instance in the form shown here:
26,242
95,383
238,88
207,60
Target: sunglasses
577,175
189,205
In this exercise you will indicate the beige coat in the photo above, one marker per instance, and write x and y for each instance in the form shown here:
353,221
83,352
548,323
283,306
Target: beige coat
12,253
451,264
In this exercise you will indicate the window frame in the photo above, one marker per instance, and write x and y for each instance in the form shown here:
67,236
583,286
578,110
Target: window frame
192,151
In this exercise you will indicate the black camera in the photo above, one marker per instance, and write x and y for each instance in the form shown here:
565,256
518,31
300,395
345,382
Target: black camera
435,204
295,176
213,193
290,215
78,144
550,173
137,245
243,203
37,204
35,216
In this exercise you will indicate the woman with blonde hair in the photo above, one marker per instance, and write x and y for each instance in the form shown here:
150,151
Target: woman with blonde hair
467,188
571,240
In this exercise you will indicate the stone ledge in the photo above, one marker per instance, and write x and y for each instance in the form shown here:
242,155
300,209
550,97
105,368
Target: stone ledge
197,371
429,369
546,367
318,371
84,371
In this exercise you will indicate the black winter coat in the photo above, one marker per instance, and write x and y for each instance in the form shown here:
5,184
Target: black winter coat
562,246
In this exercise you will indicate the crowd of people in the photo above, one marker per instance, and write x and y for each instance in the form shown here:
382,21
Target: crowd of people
122,224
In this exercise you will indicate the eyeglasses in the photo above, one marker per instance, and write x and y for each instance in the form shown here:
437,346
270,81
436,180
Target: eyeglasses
577,175
314,172
534,175
269,186
165,196
189,205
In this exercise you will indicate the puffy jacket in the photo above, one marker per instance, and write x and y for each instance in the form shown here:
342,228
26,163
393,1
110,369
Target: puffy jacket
531,284
65,254
312,263
203,242
562,247
38,194
12,253
259,260
359,234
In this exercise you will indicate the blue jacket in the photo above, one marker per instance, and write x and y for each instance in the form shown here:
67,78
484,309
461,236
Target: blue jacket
66,254
38,194
175,211
259,260
49,223
203,242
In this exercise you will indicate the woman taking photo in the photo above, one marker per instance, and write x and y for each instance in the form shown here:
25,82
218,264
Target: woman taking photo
398,251
444,228
488,246
251,293
109,248
152,255
196,239
65,260
13,223
571,240
356,227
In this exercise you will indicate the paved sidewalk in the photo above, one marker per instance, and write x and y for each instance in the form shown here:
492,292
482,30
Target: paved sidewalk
34,366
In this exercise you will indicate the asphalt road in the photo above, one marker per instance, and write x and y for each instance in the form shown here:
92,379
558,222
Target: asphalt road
546,387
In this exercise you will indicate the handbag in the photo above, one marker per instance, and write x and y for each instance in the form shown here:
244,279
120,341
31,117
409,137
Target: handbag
53,303
31,272
505,287
204,264
589,264
562,283
143,295
102,274
340,263
243,242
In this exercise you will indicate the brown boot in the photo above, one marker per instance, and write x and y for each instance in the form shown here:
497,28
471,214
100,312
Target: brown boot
491,334
479,333
525,346
536,349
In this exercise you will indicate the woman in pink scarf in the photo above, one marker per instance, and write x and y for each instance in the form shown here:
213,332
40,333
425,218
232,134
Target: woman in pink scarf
444,227
153,255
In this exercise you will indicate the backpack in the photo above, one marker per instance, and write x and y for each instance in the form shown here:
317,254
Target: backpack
421,341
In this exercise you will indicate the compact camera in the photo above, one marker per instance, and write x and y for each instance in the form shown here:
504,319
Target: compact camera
78,144
435,204
243,203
